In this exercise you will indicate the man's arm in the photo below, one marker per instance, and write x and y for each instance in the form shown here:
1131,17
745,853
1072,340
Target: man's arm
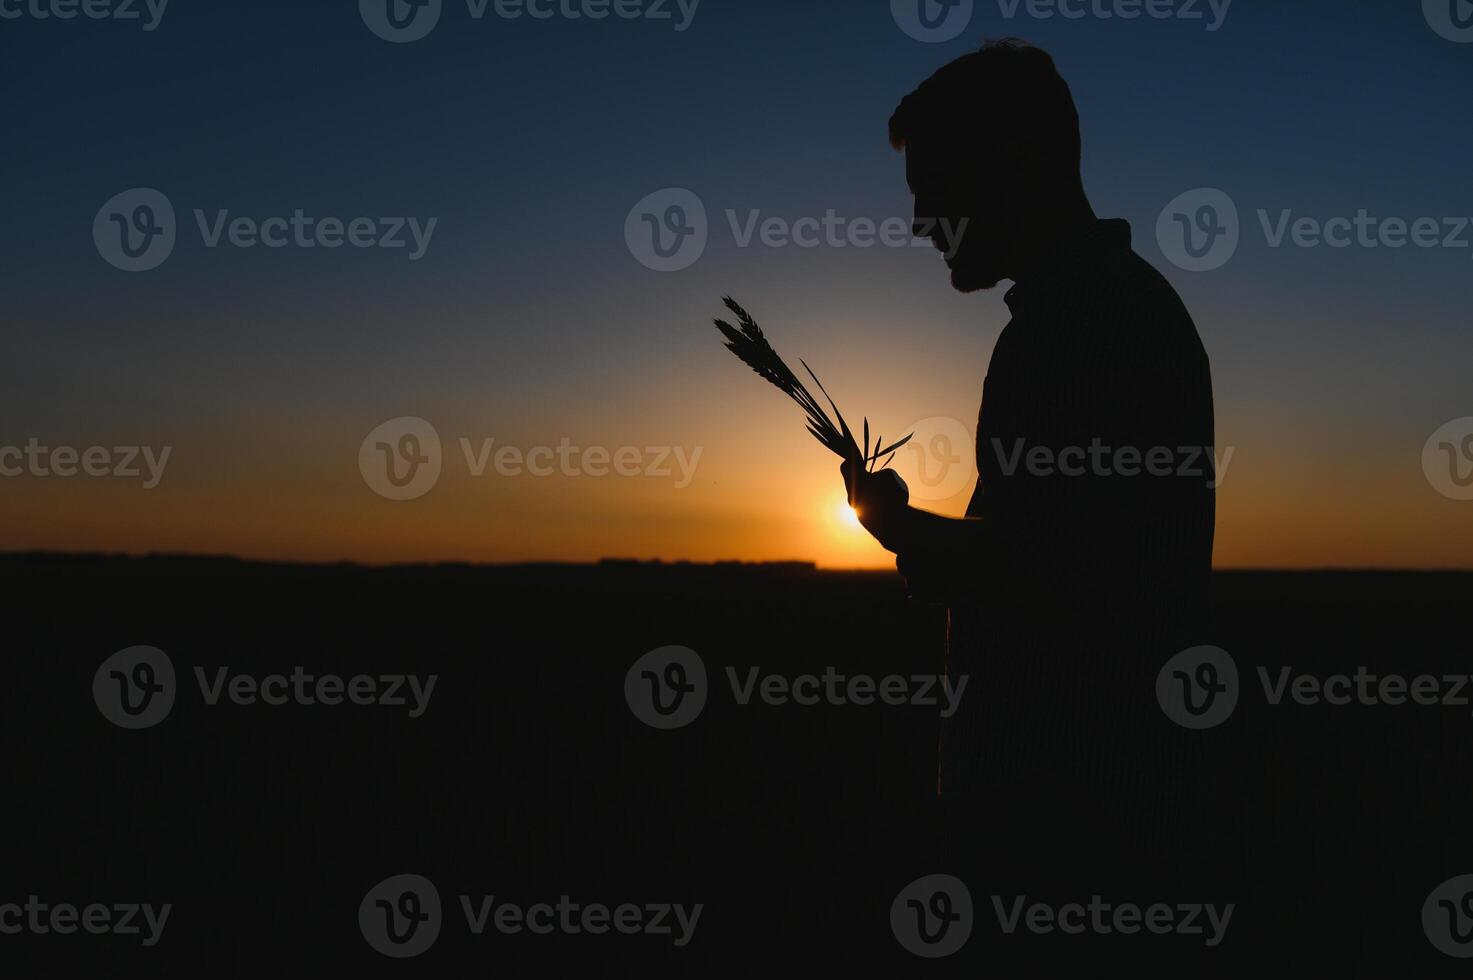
946,558
938,555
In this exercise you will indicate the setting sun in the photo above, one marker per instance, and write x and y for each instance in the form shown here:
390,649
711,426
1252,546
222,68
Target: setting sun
846,516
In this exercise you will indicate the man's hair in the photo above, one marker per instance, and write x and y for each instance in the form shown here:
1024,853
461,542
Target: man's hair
1009,87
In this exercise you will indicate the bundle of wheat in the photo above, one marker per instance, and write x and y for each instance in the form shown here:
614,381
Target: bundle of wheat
752,347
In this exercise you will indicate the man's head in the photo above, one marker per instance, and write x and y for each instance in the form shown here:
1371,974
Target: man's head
991,139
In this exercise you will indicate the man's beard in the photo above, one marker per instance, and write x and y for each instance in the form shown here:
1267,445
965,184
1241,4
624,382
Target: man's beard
982,263
969,281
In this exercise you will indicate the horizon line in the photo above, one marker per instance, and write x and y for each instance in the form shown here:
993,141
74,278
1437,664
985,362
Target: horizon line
633,562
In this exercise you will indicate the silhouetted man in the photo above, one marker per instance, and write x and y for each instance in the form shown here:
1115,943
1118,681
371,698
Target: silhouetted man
1084,560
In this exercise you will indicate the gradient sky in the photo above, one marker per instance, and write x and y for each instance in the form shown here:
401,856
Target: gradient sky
529,321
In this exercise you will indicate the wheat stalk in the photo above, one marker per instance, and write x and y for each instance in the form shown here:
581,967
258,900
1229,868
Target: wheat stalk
750,344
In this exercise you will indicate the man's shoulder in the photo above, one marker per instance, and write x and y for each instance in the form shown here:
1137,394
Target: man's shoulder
1119,314
1130,286
1131,291
1118,282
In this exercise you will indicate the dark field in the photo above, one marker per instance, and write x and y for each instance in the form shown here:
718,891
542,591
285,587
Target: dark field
527,777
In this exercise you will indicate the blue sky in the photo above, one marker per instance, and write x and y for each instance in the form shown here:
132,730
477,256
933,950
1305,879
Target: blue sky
530,140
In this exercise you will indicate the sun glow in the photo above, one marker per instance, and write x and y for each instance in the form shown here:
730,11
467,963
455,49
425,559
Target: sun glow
845,516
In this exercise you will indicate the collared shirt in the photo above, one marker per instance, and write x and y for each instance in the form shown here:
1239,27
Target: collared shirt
1096,482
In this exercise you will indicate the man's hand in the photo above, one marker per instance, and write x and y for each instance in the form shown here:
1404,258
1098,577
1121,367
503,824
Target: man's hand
928,578
880,499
